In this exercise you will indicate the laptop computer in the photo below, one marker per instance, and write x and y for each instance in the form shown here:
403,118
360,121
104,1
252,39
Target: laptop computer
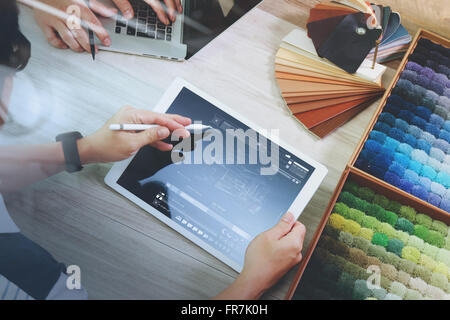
200,22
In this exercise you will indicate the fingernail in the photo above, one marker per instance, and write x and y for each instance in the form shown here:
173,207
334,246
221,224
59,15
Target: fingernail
187,134
127,14
288,217
107,42
163,132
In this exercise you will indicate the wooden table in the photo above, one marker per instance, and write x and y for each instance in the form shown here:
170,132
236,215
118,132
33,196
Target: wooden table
123,252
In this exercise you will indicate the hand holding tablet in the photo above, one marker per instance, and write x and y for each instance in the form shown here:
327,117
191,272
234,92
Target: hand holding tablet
235,184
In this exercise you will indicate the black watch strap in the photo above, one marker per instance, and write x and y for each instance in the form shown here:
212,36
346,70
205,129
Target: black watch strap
70,149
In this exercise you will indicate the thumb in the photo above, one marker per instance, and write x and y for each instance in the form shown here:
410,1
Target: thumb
283,226
152,135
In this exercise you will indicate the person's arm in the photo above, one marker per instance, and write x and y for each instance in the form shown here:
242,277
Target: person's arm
269,256
61,33
22,165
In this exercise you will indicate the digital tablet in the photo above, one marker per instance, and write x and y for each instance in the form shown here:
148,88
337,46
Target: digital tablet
234,183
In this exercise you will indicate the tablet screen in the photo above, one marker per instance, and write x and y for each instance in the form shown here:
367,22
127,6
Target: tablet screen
224,201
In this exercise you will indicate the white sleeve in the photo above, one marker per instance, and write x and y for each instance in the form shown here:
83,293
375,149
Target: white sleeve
61,292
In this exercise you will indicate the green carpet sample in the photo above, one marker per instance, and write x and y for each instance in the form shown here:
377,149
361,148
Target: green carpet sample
387,229
336,221
377,212
398,289
395,246
440,227
405,225
348,198
407,266
366,194
435,238
344,285
394,206
367,229
421,231
391,258
441,268
407,213
376,250
430,250
366,233
361,291
411,254
342,209
369,222
412,295
356,215
402,236
447,243
330,231
391,218
422,273
380,239
427,262
381,200
416,242
346,238
403,277
351,187
391,296
439,280
424,220
351,227
361,243
379,293
443,255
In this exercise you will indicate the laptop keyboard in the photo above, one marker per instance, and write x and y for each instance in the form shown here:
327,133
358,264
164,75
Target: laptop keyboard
145,23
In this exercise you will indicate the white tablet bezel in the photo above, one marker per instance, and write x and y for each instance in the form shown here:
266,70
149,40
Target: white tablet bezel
166,101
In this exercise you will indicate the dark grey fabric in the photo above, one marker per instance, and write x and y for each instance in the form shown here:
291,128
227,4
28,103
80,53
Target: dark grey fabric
28,265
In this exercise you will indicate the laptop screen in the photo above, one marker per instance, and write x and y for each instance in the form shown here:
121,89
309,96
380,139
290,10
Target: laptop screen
206,19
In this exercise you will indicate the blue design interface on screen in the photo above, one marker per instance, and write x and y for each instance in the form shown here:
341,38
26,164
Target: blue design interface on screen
225,205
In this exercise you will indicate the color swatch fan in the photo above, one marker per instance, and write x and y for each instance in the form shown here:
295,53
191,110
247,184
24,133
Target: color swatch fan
319,94
395,39
344,34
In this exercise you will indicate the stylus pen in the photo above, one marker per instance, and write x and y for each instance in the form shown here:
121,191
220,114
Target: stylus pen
92,43
91,35
142,127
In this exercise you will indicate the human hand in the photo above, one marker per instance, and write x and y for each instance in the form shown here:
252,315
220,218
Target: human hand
110,146
60,35
164,15
269,256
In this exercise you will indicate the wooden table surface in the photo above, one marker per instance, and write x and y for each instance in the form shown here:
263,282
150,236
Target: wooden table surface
123,252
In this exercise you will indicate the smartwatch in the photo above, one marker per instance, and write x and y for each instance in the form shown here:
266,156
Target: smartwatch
70,149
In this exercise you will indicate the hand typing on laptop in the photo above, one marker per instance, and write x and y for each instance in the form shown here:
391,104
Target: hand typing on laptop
61,35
